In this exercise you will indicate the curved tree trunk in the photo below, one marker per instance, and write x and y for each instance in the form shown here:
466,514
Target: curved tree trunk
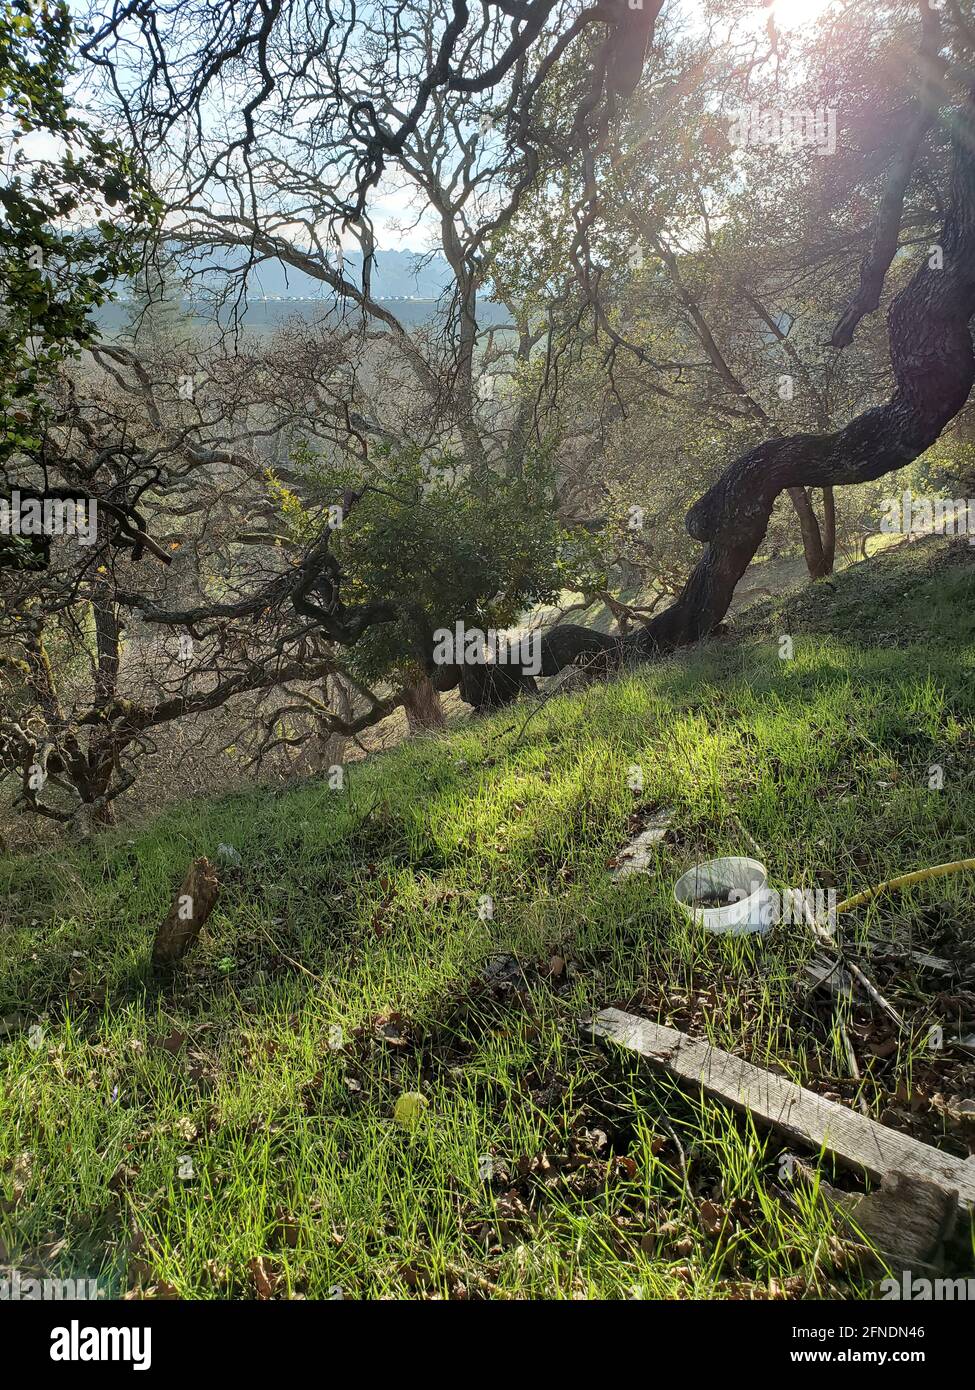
489,686
931,353
934,369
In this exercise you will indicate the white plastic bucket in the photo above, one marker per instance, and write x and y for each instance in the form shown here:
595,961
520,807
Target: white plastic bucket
743,879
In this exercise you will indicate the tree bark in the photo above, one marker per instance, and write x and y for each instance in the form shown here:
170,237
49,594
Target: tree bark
424,711
812,538
829,529
191,907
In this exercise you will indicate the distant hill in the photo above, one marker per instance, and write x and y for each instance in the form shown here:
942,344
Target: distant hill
395,274
264,315
412,286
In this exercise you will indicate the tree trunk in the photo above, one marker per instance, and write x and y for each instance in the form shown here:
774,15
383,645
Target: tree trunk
812,539
95,783
492,685
829,529
97,775
424,711
103,814
934,368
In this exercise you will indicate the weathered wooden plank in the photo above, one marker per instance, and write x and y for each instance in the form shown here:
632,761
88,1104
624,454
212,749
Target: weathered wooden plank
641,854
829,974
854,1139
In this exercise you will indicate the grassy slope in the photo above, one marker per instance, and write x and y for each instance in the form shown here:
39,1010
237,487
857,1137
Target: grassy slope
359,909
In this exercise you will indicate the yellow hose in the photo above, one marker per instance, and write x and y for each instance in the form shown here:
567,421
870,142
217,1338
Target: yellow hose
919,875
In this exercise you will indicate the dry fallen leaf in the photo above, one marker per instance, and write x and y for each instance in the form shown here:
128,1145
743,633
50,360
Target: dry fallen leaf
712,1218
265,1280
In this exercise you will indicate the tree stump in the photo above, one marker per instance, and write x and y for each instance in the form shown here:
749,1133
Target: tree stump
191,907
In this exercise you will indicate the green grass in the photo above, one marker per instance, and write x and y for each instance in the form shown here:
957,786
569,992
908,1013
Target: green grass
359,909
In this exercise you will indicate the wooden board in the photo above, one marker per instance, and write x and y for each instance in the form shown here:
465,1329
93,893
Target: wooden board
854,1139
829,974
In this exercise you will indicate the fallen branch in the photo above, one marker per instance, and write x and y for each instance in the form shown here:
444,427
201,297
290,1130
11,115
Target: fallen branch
191,907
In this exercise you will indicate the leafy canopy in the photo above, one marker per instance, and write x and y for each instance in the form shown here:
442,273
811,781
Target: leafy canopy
74,210
443,544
